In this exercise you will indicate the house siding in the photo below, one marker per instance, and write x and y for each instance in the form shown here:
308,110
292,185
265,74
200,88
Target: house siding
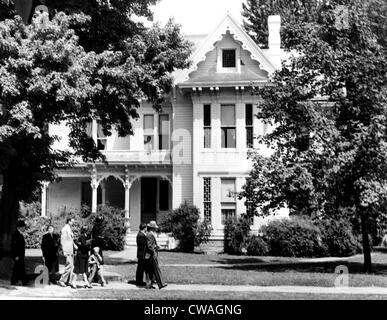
182,150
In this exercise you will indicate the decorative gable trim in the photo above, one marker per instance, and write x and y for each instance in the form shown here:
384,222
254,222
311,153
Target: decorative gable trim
227,24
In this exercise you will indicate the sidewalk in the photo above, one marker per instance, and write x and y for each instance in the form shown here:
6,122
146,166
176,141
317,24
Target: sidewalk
56,292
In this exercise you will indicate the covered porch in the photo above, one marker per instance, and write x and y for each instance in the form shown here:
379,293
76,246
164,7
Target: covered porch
143,192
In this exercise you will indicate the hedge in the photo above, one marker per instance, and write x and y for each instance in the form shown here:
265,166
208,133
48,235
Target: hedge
108,225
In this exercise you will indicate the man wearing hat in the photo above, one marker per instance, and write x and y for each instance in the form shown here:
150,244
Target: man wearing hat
153,263
142,251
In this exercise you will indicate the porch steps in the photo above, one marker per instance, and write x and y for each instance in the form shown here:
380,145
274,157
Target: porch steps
165,241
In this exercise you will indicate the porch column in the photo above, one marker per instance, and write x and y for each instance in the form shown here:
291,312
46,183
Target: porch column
127,185
44,199
127,199
94,188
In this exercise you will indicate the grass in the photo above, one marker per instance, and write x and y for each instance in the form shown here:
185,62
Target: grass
230,270
187,295
241,270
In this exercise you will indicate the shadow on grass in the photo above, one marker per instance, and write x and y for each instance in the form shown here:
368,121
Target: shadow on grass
302,267
118,261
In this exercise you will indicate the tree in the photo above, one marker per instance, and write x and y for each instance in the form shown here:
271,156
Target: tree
7,10
256,13
329,153
47,76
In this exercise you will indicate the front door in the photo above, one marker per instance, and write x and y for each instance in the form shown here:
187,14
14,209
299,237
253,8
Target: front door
148,199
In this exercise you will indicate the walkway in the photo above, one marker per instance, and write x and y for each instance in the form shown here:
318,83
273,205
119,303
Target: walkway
56,292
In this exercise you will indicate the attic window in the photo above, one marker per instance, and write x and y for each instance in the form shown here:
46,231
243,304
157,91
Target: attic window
228,58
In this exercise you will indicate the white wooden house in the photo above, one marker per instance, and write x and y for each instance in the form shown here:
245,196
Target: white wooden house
194,150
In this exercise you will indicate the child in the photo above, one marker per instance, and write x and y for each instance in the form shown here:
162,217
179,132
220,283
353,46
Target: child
95,261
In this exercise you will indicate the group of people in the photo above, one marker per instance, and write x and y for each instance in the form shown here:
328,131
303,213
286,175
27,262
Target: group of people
147,257
84,256
88,258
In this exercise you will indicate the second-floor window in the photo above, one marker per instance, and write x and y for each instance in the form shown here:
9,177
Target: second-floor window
207,125
163,132
249,125
149,132
228,126
101,138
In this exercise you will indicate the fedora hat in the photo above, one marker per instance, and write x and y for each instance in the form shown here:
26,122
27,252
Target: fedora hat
153,225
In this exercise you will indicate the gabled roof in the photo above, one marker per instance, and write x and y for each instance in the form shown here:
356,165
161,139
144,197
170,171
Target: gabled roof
227,24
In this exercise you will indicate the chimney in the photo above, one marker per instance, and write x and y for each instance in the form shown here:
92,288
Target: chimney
274,26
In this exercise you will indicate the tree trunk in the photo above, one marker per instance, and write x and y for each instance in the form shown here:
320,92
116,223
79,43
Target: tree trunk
366,244
9,211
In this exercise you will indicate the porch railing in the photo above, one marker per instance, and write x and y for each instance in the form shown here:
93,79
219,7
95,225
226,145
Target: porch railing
152,156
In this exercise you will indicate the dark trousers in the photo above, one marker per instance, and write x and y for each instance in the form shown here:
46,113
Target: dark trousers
140,271
154,272
51,264
19,272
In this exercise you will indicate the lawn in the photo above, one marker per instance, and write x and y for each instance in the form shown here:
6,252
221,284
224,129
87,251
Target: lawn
187,295
243,270
230,270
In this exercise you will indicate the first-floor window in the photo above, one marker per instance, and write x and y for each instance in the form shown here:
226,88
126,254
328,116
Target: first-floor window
207,199
228,214
228,199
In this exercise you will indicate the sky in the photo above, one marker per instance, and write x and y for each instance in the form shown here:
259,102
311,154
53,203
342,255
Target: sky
197,16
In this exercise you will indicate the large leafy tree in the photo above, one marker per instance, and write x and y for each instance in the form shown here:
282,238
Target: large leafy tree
256,13
328,106
50,72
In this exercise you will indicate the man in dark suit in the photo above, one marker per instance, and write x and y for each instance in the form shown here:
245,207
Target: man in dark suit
142,243
152,263
50,251
18,250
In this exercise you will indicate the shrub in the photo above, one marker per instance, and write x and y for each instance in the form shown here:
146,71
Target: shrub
185,226
109,227
110,230
256,246
338,237
236,234
36,225
35,228
293,237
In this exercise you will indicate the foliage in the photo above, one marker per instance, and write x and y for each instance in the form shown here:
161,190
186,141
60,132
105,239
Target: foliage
338,237
185,225
110,230
35,228
236,234
109,227
97,63
294,237
256,13
7,10
256,246
330,154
